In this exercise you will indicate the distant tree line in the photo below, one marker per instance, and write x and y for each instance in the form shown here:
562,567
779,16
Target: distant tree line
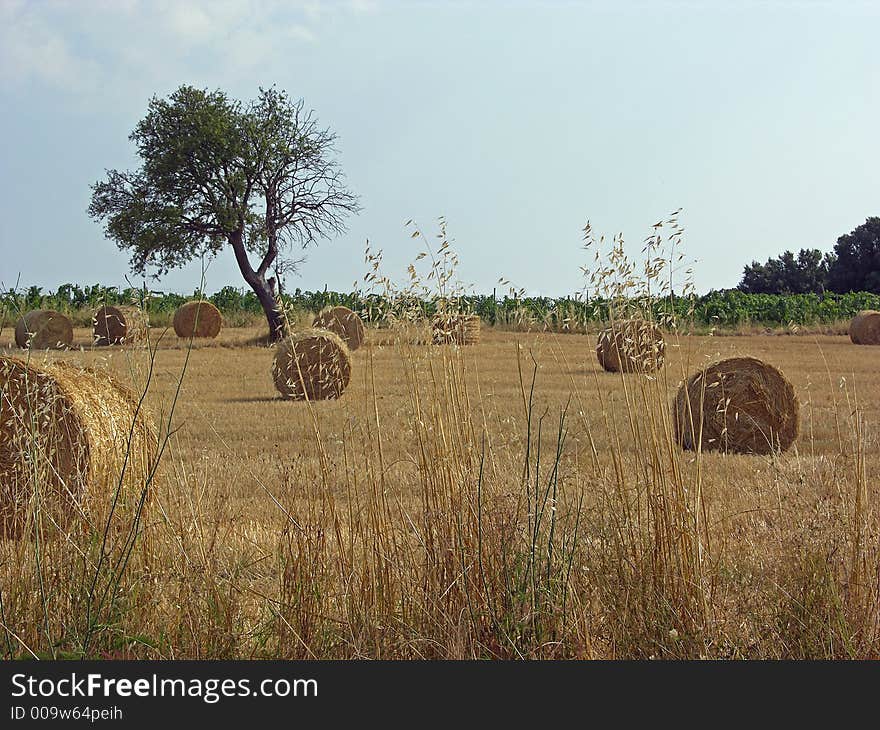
853,266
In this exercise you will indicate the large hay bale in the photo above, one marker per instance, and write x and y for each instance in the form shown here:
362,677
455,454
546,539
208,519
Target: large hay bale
740,405
631,346
67,435
865,328
121,325
197,319
43,329
455,329
311,365
343,322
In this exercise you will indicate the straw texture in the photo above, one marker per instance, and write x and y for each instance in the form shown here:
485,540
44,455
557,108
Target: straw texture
739,405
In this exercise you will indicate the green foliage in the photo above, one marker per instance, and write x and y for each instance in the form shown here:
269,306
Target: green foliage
215,173
192,190
858,259
72,297
789,274
730,308
854,266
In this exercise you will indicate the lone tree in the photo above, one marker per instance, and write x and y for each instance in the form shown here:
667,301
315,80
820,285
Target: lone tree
260,178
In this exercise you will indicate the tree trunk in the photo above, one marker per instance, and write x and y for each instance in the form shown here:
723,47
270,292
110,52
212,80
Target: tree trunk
261,287
274,316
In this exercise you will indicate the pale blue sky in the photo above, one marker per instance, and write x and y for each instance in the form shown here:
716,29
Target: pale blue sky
517,121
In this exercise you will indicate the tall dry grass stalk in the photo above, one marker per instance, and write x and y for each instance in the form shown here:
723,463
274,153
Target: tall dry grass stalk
448,523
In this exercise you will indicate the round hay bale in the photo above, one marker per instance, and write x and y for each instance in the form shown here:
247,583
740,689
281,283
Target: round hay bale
343,322
121,325
197,319
455,329
311,365
631,346
64,436
740,405
865,328
43,329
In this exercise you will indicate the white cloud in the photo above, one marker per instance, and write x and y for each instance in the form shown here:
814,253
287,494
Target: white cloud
190,22
301,33
31,49
363,6
101,45
314,10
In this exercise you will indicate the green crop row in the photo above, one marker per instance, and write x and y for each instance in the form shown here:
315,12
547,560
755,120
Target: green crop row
730,308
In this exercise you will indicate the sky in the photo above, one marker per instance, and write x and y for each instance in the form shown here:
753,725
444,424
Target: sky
516,121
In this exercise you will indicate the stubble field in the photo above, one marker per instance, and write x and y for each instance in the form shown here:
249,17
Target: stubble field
508,499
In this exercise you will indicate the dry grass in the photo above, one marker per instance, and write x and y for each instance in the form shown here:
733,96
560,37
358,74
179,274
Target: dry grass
508,499
631,346
455,329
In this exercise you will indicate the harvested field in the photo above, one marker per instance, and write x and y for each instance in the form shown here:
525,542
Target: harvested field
280,520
